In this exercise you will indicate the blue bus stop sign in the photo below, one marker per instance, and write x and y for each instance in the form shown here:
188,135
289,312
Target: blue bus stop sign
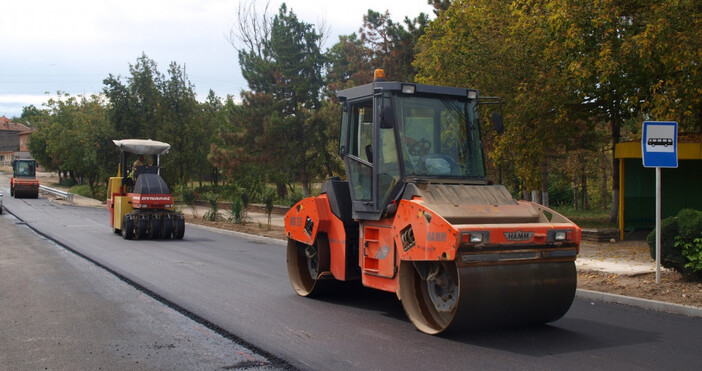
659,144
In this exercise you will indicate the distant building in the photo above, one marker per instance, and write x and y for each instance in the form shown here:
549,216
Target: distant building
13,140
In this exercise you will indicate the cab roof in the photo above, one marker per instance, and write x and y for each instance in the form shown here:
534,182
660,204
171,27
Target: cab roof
367,90
143,146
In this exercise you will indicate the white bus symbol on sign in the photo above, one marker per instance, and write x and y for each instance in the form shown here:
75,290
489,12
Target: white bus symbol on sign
660,138
660,142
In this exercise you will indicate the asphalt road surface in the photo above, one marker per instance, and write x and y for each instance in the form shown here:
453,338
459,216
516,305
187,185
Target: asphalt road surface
238,285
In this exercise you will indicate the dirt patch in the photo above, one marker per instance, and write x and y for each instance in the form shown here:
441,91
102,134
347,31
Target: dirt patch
672,289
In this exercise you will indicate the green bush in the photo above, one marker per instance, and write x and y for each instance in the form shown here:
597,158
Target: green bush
689,224
681,245
692,251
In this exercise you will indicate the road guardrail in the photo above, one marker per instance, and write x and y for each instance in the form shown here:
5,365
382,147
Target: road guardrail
57,192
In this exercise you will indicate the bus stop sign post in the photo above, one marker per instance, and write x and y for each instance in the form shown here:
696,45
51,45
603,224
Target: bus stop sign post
659,148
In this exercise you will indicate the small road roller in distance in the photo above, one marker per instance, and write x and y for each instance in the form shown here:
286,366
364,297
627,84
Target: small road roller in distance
24,182
418,217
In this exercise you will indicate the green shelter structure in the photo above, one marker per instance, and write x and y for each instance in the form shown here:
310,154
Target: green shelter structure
681,187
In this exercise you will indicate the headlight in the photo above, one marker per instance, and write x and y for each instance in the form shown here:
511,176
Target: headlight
468,238
559,235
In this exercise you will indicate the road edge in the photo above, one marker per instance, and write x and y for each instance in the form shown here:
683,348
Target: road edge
656,305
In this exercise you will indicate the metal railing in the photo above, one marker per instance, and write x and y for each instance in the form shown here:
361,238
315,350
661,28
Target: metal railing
57,192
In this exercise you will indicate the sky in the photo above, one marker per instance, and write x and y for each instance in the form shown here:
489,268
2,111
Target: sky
71,46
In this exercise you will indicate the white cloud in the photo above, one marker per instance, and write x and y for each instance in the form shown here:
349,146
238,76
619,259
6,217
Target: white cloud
24,98
11,104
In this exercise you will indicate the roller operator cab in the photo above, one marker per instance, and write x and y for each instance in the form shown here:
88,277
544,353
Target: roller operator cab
418,217
24,182
139,200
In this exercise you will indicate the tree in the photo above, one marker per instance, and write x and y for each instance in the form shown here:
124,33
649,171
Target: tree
499,49
565,67
178,120
669,47
132,107
382,43
75,136
214,118
240,151
594,41
284,73
348,64
390,46
153,106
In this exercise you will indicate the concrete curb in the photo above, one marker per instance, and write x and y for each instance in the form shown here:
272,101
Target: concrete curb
660,306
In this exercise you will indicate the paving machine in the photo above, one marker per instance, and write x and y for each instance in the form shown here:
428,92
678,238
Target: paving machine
140,203
24,182
419,218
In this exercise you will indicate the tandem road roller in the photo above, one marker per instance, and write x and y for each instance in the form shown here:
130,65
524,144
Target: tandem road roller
419,218
24,182
139,201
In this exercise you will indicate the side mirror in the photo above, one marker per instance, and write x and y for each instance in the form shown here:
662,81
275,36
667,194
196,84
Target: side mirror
497,121
387,117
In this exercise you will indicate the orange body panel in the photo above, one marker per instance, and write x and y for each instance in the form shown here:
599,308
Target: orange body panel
434,238
311,216
378,256
24,183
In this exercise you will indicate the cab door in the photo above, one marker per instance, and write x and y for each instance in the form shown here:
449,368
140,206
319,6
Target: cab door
370,155
358,155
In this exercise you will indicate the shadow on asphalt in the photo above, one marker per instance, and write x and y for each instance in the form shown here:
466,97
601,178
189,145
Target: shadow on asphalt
353,294
557,338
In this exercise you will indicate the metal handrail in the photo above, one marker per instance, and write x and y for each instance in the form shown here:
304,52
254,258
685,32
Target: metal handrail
57,192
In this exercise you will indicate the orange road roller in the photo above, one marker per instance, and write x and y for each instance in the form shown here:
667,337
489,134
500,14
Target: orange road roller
418,217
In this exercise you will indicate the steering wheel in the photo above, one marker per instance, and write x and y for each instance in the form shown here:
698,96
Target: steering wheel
419,148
